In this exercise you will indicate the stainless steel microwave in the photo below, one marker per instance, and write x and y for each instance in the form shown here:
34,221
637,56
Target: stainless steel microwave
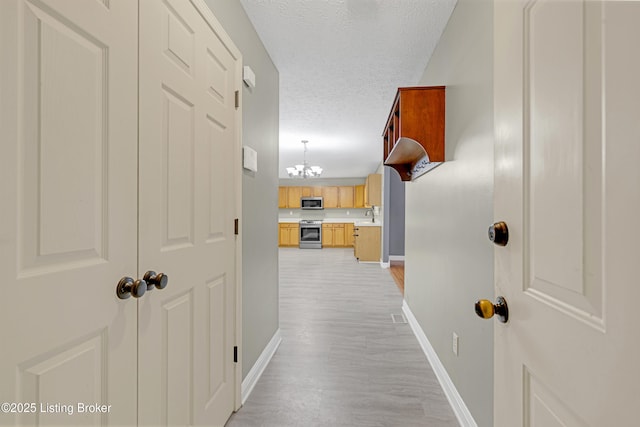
311,203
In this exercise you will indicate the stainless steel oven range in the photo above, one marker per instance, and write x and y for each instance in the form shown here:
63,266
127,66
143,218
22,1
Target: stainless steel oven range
310,234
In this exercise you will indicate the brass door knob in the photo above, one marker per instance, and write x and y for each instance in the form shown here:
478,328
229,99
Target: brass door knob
486,309
499,233
159,280
127,287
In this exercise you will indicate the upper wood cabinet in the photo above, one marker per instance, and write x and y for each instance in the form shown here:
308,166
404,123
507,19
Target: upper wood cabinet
413,138
330,196
282,197
293,197
359,196
373,190
346,197
311,191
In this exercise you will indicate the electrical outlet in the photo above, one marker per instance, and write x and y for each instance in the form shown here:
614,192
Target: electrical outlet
455,344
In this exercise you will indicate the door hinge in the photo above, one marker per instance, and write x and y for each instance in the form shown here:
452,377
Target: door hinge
235,354
236,226
237,99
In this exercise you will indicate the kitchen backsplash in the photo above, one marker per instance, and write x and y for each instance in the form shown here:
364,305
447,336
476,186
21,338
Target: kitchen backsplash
357,214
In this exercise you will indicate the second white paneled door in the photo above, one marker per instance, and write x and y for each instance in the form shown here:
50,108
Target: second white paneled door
188,198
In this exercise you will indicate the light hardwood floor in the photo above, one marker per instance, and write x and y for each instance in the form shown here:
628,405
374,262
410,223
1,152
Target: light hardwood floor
342,361
396,268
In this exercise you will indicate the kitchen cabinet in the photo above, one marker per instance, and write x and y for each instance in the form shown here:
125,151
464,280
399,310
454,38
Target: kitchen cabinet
367,243
288,234
373,190
293,197
348,234
334,235
327,235
413,139
330,196
282,197
339,235
346,197
311,191
358,196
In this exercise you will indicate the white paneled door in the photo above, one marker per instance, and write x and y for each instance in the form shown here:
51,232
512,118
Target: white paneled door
68,209
188,147
567,183
120,133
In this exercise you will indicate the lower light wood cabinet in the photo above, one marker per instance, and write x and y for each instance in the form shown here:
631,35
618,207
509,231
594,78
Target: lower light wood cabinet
367,243
348,234
288,234
335,235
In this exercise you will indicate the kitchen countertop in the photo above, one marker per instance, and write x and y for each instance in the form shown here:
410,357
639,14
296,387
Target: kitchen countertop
360,222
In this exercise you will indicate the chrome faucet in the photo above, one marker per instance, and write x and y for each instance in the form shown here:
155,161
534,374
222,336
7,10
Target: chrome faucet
373,215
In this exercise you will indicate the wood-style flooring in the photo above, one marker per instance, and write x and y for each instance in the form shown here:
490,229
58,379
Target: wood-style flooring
343,361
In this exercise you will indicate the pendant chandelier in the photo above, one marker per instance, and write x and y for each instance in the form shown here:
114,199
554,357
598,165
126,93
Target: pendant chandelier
304,170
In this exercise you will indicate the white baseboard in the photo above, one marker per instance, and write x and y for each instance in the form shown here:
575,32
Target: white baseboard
391,258
455,400
258,368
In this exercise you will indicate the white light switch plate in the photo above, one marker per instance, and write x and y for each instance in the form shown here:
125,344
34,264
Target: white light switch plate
250,159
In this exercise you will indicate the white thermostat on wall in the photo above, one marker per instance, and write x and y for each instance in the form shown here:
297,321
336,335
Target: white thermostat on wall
249,76
249,159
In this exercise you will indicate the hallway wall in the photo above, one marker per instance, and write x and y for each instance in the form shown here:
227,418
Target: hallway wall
259,231
448,258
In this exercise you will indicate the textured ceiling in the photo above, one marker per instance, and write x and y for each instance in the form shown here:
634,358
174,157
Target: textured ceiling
340,63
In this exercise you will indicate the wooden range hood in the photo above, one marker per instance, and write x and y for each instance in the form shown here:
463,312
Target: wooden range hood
413,138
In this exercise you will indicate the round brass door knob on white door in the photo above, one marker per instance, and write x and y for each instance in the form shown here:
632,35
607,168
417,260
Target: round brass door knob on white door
127,287
157,280
499,233
486,309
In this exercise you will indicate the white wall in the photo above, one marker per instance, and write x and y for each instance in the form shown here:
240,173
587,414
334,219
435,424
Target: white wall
449,260
260,129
